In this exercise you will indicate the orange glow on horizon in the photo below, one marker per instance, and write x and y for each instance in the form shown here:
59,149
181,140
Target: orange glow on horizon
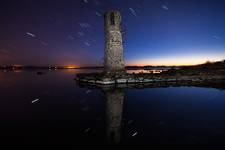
72,67
180,59
173,61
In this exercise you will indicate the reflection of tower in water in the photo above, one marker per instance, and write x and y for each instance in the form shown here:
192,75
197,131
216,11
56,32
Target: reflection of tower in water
114,110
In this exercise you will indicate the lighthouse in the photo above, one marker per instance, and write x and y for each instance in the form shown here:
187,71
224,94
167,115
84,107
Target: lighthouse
113,57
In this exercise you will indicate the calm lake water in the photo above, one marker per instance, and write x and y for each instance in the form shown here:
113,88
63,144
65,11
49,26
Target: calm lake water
52,108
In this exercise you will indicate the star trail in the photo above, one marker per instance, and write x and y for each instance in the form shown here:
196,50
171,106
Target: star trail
157,32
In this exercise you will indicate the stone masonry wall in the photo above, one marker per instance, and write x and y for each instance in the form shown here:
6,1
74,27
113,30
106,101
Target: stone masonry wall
114,58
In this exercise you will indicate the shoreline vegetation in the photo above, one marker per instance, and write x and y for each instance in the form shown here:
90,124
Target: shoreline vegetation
204,75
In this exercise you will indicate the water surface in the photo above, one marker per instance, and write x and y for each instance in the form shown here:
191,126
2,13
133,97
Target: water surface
52,108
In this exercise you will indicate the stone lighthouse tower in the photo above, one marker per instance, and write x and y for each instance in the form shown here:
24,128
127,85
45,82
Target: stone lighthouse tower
114,58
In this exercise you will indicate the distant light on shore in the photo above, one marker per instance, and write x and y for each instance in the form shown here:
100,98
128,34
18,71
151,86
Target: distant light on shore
71,67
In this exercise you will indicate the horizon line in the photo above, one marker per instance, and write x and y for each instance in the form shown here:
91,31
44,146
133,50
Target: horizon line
128,65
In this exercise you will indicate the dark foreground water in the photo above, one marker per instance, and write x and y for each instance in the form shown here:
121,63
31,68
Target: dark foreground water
52,109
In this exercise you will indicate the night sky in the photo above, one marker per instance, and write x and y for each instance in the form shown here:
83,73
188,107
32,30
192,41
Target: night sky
70,32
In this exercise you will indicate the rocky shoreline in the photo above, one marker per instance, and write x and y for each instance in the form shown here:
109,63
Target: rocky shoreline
154,80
